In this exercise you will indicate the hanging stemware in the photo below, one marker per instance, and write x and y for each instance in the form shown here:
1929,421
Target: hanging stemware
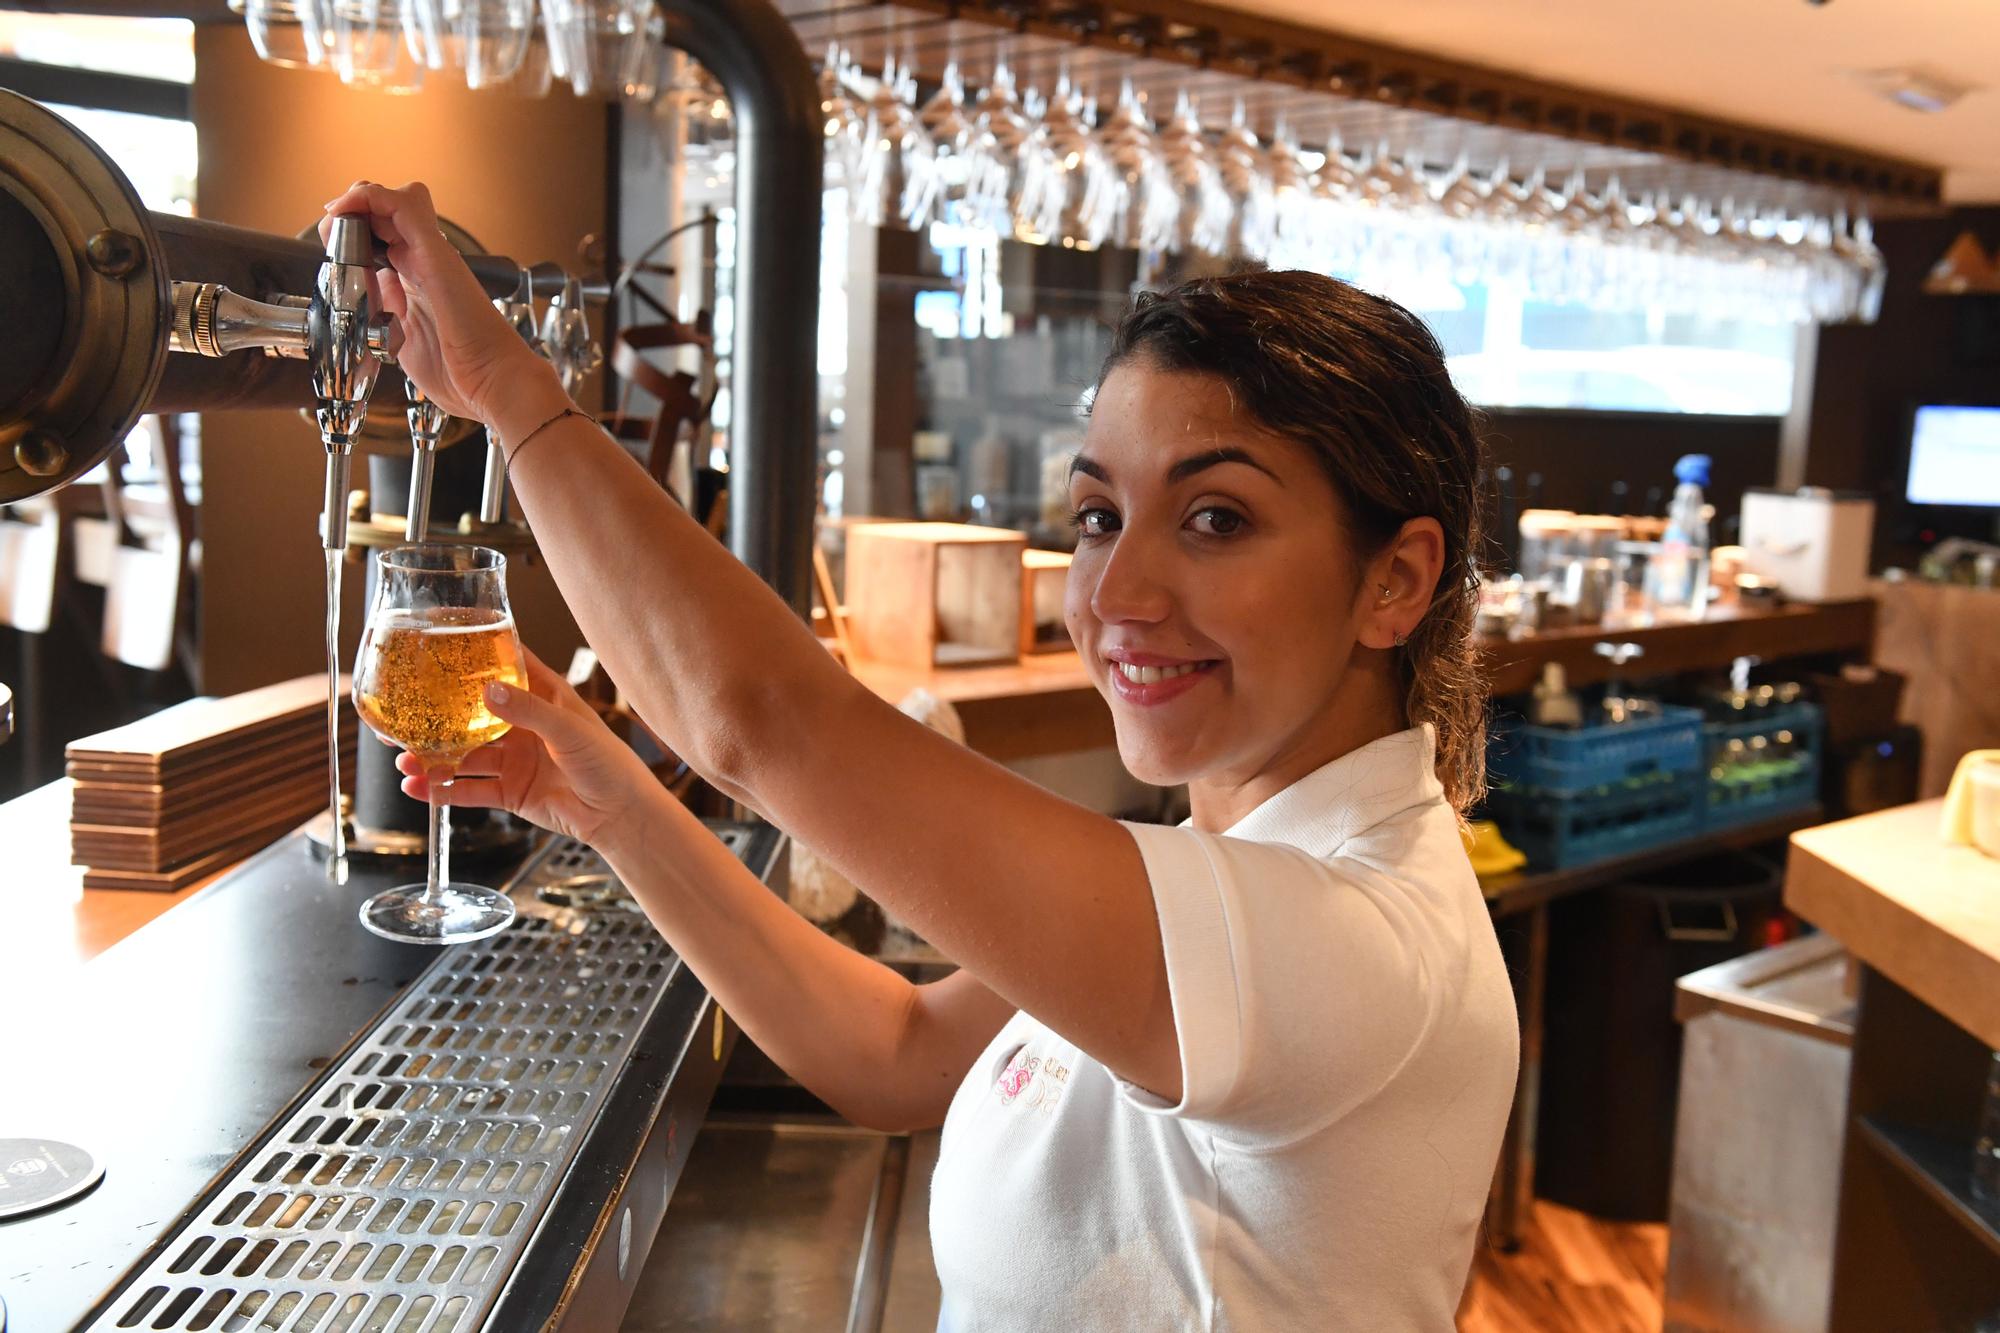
1205,208
1147,205
1246,175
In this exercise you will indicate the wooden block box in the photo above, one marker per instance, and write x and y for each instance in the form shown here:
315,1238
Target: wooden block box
934,594
1044,584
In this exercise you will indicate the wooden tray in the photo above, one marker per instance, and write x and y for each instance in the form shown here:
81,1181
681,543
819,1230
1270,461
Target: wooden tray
273,749
141,848
179,877
199,730
94,802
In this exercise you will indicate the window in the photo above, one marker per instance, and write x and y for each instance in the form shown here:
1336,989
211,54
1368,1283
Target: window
1506,351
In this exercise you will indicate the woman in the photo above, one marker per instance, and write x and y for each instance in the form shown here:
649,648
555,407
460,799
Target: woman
1249,1073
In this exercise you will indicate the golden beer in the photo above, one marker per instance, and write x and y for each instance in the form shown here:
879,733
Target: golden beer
422,676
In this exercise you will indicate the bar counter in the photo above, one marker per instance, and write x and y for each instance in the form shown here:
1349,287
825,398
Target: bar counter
1914,1248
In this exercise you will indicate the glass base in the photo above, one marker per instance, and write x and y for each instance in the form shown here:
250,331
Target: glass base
458,913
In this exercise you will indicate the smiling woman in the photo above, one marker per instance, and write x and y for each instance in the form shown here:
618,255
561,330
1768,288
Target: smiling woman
1307,440
1246,1074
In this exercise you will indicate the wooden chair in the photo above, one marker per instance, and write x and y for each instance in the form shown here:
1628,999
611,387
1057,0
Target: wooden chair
678,391
155,561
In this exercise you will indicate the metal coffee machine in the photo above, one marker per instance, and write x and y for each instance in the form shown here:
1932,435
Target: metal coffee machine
298,1122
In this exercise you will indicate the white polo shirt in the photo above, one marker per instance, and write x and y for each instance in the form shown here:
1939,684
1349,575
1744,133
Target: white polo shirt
1348,1047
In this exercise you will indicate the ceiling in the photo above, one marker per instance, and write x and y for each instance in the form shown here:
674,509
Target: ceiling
1780,64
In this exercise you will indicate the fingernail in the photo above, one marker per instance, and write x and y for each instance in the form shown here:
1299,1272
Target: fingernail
496,693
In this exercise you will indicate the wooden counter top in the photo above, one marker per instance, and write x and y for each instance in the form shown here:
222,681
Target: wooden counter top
1924,914
53,925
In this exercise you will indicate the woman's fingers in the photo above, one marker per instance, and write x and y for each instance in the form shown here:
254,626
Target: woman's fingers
561,730
550,685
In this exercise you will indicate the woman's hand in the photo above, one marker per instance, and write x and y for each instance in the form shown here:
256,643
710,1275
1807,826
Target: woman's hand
559,767
452,341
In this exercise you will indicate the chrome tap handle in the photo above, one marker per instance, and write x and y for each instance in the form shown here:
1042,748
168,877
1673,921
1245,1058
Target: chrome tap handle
426,424
343,349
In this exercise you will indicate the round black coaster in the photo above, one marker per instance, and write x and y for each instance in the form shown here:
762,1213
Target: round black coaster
41,1173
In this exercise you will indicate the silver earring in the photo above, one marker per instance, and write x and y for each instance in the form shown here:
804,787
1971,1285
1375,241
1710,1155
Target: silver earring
1385,590
1401,639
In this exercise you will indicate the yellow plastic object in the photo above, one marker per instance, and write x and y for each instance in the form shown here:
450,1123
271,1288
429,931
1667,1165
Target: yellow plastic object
1491,854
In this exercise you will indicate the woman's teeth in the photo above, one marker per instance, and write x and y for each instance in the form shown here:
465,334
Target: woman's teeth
1147,675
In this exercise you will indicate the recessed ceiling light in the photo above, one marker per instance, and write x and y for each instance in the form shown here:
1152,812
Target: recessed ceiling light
1915,87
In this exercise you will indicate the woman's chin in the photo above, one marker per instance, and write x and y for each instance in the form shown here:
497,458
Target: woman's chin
1155,764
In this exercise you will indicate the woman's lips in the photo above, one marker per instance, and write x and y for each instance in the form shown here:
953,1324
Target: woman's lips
1148,684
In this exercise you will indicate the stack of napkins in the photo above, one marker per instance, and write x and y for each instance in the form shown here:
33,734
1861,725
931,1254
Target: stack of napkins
175,797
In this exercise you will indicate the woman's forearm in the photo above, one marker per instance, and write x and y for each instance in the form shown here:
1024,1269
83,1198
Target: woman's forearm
856,1034
648,586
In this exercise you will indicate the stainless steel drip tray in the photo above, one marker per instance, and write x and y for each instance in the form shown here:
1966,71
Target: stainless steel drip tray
452,1168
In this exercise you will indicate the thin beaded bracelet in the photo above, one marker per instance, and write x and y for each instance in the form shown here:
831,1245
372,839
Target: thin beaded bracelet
571,411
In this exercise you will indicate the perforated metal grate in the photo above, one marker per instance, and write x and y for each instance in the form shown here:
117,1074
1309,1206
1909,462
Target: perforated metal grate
401,1194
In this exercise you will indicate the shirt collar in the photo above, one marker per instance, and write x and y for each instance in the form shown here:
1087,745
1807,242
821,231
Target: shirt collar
1350,795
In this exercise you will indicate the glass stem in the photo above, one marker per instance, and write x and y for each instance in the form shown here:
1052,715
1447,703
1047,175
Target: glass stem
440,836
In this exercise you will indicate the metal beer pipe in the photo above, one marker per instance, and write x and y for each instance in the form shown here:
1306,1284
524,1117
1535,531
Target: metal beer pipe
753,51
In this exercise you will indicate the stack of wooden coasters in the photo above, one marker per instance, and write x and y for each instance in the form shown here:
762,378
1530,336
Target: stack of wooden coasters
175,797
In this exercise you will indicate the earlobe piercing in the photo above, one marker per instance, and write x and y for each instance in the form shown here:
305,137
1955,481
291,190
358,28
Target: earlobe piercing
1401,638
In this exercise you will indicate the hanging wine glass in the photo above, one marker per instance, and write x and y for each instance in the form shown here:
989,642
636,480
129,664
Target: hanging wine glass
1079,202
1246,176
1296,241
293,34
1006,154
844,124
591,42
1147,208
897,171
368,49
487,39
1205,207
954,140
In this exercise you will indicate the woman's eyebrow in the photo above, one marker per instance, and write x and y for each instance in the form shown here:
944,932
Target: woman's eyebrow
1078,463
1197,463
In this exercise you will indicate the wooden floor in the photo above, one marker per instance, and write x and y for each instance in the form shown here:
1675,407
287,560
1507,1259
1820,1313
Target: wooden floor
1572,1274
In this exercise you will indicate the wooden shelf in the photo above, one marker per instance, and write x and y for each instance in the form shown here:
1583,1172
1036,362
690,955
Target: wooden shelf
1729,630
1525,889
1939,1165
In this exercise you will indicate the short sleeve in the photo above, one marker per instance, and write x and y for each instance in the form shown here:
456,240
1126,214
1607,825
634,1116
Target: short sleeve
1299,986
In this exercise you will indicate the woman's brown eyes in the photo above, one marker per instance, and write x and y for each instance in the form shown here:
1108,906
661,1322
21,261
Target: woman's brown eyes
1217,522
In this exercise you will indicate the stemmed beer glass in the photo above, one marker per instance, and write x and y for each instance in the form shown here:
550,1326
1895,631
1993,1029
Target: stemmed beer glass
439,630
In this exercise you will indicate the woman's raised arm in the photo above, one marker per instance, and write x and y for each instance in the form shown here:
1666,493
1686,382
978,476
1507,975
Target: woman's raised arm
1044,902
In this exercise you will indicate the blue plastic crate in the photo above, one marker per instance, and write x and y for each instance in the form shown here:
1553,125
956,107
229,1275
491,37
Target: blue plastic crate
1558,829
1580,759
1789,780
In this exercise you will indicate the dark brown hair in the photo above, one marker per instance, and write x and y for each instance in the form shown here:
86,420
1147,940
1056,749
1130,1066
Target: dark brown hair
1361,382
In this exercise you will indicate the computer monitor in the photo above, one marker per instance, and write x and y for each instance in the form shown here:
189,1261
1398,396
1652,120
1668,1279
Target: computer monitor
1954,456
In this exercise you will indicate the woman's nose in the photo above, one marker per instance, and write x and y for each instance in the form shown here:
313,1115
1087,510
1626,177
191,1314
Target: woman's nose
1131,584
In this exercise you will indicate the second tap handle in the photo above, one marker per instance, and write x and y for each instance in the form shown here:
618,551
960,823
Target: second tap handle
493,496
426,420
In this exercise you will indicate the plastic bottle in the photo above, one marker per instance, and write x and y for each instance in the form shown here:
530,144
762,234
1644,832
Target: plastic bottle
1680,570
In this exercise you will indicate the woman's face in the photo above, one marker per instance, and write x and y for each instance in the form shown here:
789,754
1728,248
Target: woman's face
1214,596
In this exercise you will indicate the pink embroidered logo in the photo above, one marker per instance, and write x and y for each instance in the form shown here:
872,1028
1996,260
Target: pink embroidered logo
1016,1077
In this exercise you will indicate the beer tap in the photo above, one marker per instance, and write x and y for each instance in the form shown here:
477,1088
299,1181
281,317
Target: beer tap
426,424
345,346
334,329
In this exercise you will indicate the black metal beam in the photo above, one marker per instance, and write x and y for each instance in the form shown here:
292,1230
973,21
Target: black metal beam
94,88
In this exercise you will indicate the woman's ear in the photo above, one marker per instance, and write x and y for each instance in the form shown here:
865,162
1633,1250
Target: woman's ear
1398,584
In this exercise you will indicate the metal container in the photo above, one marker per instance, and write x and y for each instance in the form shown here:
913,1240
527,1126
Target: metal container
1763,1106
